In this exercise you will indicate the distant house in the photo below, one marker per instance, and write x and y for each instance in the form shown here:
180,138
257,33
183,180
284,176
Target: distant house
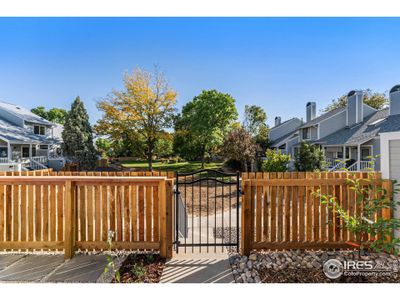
350,135
28,139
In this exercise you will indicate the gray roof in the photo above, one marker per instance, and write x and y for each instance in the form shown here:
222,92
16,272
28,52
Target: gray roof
24,113
287,121
323,117
364,131
284,139
18,135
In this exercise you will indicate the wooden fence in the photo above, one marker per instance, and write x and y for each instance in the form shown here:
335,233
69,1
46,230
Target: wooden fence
69,213
50,172
281,210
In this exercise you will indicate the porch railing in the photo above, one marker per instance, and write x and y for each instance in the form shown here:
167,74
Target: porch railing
40,159
35,165
4,160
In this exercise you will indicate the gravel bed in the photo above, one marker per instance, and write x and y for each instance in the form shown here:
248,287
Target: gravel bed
307,266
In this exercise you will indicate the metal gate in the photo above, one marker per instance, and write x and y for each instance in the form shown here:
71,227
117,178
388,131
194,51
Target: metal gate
206,210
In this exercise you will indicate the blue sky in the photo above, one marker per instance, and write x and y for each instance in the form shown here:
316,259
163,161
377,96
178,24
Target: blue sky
277,63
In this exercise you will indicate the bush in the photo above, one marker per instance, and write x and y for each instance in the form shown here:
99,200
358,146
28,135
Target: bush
233,164
275,161
309,158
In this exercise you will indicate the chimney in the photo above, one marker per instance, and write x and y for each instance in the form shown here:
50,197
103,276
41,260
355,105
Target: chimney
311,109
354,107
394,97
277,121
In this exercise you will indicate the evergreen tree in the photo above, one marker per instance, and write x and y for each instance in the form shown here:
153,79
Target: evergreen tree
309,158
77,136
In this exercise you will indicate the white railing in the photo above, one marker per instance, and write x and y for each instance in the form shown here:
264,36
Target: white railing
40,159
331,162
353,167
338,166
367,165
4,160
35,165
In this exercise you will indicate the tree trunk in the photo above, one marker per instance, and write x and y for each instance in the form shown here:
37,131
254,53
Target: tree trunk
150,158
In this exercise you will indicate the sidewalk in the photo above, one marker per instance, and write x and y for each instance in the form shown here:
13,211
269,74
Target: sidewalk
51,268
198,268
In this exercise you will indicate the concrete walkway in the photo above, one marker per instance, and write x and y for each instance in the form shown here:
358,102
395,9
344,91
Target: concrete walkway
51,268
198,268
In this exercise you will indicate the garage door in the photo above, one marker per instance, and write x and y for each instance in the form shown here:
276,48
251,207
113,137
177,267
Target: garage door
394,159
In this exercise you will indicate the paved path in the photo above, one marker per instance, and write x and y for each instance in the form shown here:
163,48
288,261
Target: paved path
51,268
198,268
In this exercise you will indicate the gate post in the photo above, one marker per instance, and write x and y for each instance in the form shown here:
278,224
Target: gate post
246,219
166,224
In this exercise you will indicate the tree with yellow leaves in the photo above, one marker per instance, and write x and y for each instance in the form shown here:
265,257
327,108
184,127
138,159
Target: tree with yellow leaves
142,110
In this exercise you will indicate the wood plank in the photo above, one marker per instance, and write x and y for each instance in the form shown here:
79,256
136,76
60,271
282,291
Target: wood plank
31,212
295,213
53,214
45,202
9,214
287,205
331,193
60,212
141,213
134,210
112,207
156,214
280,210
24,214
302,213
351,204
90,214
69,220
104,212
324,191
31,245
336,218
309,209
317,211
97,211
82,213
127,214
119,245
258,207
38,213
118,213
2,213
273,209
15,212
148,213
247,202
300,245
344,203
266,214
162,190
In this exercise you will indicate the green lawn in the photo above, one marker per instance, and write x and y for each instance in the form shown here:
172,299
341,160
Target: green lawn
187,166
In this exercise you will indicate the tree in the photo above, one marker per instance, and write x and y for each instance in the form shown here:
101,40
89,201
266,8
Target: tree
55,115
254,119
239,145
103,147
309,158
164,146
373,99
78,137
275,161
143,109
204,123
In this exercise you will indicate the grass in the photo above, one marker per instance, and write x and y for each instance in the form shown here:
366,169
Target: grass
186,166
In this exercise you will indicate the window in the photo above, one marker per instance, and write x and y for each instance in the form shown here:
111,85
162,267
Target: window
3,152
365,153
339,154
306,133
25,151
44,147
40,130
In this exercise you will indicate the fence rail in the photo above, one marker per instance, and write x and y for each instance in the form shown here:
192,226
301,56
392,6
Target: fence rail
69,213
282,210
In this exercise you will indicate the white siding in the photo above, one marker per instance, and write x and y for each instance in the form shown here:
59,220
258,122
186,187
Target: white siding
394,159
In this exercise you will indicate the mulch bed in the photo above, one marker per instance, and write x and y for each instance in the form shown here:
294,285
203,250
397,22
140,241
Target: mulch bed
142,268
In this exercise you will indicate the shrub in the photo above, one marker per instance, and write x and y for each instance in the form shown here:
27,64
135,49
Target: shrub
309,158
275,161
